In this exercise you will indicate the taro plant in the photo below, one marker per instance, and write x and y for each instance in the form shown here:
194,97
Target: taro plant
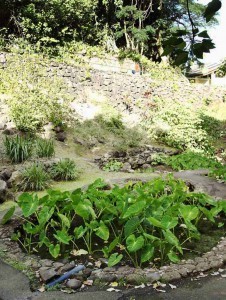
44,148
141,222
219,173
191,161
113,166
65,169
35,178
18,148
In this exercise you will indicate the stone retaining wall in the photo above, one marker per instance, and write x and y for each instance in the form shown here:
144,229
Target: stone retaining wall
126,89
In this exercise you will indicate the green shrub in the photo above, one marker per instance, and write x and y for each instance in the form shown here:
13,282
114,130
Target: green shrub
141,222
178,124
44,148
18,148
35,178
112,123
113,166
65,169
191,161
34,98
219,173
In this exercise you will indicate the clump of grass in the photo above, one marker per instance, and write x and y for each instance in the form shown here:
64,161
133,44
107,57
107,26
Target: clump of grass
45,148
65,169
35,178
18,148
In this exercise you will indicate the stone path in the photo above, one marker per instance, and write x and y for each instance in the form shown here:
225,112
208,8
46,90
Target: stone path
203,183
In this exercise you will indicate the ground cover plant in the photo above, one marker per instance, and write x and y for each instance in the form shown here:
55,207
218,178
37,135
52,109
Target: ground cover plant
113,166
35,178
65,169
219,173
44,148
191,161
138,223
34,98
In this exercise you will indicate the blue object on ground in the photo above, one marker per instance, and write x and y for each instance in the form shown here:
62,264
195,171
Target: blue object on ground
66,275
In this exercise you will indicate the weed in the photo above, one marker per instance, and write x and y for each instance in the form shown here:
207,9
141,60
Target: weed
65,169
35,178
45,148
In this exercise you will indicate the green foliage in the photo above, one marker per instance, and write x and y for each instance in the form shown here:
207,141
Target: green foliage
178,124
18,148
191,161
34,178
33,97
219,173
141,222
139,26
65,169
44,148
113,166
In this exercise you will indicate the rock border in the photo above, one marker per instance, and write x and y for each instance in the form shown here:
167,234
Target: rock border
97,273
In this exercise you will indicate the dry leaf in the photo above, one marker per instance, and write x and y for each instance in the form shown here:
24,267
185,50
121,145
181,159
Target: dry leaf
142,286
79,252
223,275
162,291
88,282
215,273
114,284
42,289
172,286
112,290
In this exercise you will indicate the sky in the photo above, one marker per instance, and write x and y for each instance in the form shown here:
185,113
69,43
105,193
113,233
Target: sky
218,34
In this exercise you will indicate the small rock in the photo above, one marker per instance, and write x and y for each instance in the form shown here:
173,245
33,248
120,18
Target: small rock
169,276
46,262
87,272
126,167
74,284
57,265
105,277
67,267
135,279
5,174
47,273
61,136
152,277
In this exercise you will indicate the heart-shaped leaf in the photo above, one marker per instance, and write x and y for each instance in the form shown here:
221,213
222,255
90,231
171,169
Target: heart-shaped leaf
134,244
63,237
114,259
28,204
8,215
189,212
54,250
131,225
147,253
102,231
134,209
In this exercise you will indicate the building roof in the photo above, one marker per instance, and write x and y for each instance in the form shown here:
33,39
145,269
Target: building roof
204,70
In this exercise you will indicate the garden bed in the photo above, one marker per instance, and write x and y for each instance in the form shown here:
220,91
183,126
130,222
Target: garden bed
104,270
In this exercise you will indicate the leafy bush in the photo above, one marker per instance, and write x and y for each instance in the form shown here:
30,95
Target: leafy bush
44,148
18,148
178,124
113,166
65,169
34,98
219,173
140,222
35,178
191,161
